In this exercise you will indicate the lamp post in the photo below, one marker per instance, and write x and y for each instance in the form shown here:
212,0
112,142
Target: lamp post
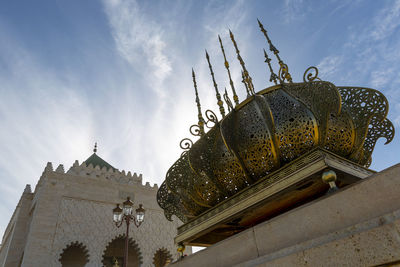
125,214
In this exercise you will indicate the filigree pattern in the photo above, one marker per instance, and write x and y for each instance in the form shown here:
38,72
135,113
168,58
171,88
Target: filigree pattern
322,98
381,129
363,104
227,168
253,138
296,128
269,130
340,134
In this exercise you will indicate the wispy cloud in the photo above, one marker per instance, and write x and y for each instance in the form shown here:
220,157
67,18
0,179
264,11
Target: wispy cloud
371,55
386,22
43,118
329,66
138,38
293,10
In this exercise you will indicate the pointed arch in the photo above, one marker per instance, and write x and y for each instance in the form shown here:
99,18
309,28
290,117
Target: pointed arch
74,255
115,251
162,257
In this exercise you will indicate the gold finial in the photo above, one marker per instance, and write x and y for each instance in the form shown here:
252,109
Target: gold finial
247,78
245,85
181,248
200,116
273,76
219,101
284,69
329,177
235,97
228,101
95,147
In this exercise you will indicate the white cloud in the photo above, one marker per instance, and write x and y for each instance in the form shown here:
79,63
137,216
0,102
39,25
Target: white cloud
293,10
138,38
43,119
329,66
387,21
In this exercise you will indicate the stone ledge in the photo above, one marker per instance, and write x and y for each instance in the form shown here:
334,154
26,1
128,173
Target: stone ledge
358,211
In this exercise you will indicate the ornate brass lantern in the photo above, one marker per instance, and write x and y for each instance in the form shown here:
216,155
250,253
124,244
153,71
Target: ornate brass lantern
268,130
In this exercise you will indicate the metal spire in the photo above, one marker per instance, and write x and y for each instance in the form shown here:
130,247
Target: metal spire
247,78
284,69
95,147
219,101
273,76
200,116
235,97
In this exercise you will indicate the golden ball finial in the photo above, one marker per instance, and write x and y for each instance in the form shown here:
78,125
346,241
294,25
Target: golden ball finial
181,248
328,176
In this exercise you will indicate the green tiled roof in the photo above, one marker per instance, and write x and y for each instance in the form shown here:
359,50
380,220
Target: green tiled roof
97,161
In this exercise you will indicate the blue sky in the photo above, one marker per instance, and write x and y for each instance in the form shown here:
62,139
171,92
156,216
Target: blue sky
119,72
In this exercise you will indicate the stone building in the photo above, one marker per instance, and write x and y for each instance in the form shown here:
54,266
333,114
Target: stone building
67,220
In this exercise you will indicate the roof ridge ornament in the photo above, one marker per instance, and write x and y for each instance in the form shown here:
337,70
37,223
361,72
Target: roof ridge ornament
247,79
273,76
228,101
217,94
283,68
95,147
226,64
200,126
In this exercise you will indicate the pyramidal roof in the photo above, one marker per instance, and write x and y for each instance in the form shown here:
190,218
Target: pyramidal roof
97,161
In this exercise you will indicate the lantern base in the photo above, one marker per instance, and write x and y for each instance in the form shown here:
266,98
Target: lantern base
291,186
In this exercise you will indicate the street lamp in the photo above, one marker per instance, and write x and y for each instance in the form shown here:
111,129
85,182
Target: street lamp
125,214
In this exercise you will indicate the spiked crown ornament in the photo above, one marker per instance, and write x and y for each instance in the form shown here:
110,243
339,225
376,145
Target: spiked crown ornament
268,130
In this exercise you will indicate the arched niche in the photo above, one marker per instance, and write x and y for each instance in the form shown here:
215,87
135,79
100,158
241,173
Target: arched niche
74,255
115,251
162,257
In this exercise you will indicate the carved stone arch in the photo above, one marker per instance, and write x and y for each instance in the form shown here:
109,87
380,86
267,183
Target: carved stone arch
162,257
74,255
115,251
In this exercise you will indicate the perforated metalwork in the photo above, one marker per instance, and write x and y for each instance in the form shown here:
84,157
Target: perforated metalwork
322,98
253,137
340,134
296,129
363,104
267,131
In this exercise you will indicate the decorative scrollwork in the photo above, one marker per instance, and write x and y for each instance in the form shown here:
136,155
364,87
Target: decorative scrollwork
310,76
284,73
211,117
186,143
195,130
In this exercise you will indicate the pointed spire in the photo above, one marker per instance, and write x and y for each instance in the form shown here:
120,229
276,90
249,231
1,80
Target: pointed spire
273,76
95,147
247,78
200,116
284,69
217,94
235,97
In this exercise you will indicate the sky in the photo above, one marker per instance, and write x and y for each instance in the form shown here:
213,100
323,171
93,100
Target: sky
118,72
